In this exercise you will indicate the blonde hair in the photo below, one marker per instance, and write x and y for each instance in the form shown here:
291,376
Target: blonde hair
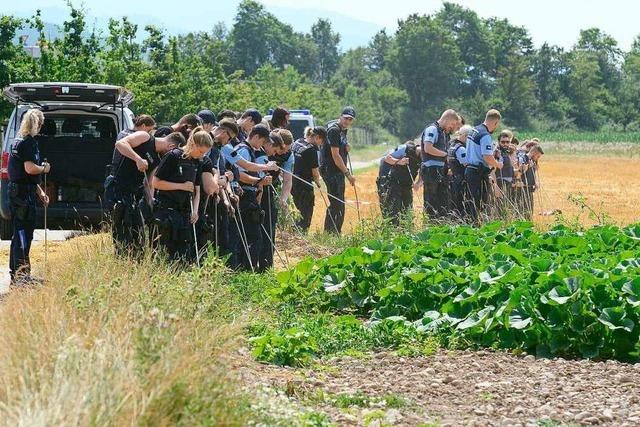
198,138
493,115
31,122
286,135
464,130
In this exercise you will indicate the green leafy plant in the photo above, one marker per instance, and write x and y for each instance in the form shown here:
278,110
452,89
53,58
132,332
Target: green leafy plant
562,292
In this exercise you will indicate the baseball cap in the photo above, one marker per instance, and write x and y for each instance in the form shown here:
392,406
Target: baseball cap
349,112
207,117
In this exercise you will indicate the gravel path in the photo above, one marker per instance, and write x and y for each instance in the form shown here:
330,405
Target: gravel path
463,388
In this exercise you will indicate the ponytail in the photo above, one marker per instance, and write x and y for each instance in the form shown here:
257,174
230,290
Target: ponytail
198,138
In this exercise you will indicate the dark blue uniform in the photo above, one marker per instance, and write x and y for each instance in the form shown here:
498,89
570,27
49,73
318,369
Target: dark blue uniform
479,144
306,159
434,172
124,194
333,176
398,199
172,216
22,202
251,214
457,161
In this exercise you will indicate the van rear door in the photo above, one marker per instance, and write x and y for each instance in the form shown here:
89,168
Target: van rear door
67,93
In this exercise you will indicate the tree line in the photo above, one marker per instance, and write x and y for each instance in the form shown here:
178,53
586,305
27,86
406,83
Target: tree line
450,59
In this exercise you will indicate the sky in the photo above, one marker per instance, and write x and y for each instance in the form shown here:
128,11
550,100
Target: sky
555,21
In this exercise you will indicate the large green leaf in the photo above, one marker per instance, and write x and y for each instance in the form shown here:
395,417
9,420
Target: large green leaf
616,318
476,318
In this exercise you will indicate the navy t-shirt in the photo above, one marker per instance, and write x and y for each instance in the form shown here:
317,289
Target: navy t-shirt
23,150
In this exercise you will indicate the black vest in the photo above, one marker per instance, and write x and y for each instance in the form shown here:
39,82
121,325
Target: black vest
405,174
187,170
128,178
507,169
456,167
441,144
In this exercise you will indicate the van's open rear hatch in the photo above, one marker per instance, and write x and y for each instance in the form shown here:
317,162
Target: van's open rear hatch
38,93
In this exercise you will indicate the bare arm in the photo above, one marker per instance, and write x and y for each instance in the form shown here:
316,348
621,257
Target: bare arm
316,176
335,155
255,167
210,183
491,161
287,184
126,146
33,169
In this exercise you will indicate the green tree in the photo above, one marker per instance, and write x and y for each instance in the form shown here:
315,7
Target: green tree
327,54
426,61
474,42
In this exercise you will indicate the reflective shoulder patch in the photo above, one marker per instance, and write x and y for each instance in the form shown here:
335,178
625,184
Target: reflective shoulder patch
463,154
488,147
431,134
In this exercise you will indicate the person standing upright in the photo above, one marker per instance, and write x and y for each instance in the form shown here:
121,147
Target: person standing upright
334,170
480,155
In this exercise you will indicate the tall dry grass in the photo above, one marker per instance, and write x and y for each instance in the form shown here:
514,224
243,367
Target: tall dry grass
110,342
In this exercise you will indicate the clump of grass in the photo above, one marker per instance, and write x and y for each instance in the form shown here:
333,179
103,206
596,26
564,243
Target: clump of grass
114,342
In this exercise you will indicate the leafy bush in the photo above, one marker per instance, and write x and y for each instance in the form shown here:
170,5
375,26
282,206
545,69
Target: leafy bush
562,292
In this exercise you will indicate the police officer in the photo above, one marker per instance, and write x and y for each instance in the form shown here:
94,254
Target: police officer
480,155
217,210
527,171
142,122
505,176
178,194
435,144
25,168
404,167
306,166
457,162
285,160
126,189
251,183
334,170
185,125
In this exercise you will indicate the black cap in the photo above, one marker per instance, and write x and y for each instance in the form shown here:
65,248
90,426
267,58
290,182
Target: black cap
349,112
255,115
207,117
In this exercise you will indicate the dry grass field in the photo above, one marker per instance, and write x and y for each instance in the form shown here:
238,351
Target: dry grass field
613,190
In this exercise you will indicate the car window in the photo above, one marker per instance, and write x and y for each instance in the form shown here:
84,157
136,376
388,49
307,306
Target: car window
79,126
297,127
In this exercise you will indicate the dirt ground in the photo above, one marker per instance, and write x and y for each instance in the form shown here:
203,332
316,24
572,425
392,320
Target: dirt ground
480,388
614,190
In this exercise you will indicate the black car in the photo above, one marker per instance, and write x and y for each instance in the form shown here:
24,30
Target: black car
81,124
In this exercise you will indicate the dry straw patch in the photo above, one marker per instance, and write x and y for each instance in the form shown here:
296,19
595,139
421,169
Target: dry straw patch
110,342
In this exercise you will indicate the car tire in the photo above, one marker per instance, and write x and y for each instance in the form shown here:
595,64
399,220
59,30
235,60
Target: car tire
6,229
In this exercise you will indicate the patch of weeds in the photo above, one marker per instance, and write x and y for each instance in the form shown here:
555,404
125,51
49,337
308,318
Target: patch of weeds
345,400
374,416
395,401
486,396
314,419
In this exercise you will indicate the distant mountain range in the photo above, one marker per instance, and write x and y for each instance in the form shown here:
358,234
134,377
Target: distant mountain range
353,32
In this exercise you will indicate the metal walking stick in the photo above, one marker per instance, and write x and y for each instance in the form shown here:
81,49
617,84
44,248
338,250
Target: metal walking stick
195,236
355,190
46,236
